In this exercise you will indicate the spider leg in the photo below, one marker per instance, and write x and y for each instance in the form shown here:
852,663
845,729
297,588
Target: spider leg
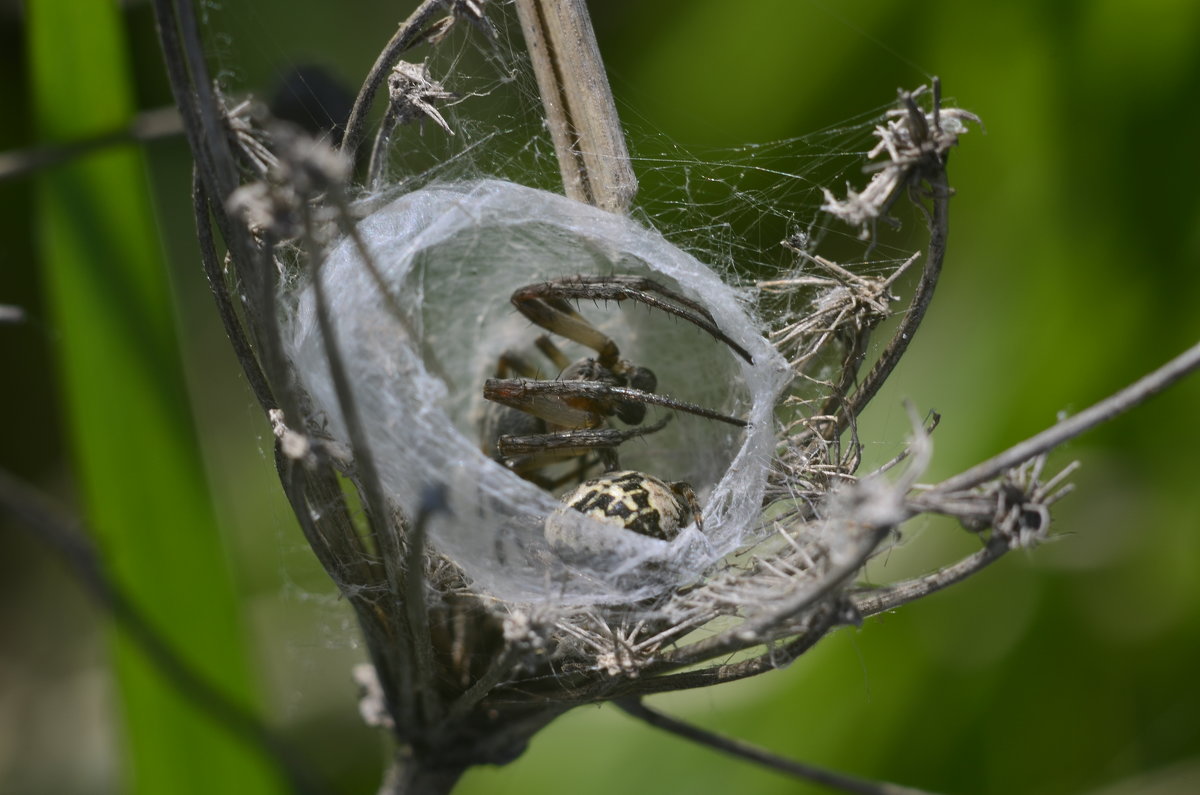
560,402
687,496
551,405
547,305
552,352
530,466
555,314
574,442
511,363
577,474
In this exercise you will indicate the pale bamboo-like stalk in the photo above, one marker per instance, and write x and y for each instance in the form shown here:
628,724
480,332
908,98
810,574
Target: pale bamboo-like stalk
580,110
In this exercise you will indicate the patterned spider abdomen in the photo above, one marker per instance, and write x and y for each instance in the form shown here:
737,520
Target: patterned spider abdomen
635,501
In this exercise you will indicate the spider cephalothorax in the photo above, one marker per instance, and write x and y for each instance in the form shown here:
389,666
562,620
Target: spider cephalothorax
534,423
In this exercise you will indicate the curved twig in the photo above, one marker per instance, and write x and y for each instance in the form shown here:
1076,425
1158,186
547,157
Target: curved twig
938,231
225,307
761,757
873,601
408,34
1118,403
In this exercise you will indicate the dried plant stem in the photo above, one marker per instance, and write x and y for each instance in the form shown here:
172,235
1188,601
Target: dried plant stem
874,601
416,607
870,602
149,125
407,579
234,329
1132,395
337,546
653,680
775,657
408,34
253,329
500,667
193,91
750,753
203,123
754,631
939,227
580,111
368,476
348,226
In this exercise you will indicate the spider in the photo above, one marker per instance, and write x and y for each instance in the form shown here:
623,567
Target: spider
532,424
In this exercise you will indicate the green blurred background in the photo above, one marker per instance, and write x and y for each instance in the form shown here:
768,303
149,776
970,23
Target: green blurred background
1075,240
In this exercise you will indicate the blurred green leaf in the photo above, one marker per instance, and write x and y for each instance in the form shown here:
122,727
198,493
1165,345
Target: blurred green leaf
137,463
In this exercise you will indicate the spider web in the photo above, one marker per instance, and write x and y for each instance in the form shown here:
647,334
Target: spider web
462,220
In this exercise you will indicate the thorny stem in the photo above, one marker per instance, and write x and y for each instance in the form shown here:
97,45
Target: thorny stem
1134,394
759,756
70,542
873,601
896,347
770,660
653,681
753,631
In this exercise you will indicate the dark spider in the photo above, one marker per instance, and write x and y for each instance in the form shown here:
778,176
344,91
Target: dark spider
533,423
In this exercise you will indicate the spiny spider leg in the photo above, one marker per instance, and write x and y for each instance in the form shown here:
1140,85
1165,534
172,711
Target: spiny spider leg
559,401
546,304
574,442
526,454
645,285
530,466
